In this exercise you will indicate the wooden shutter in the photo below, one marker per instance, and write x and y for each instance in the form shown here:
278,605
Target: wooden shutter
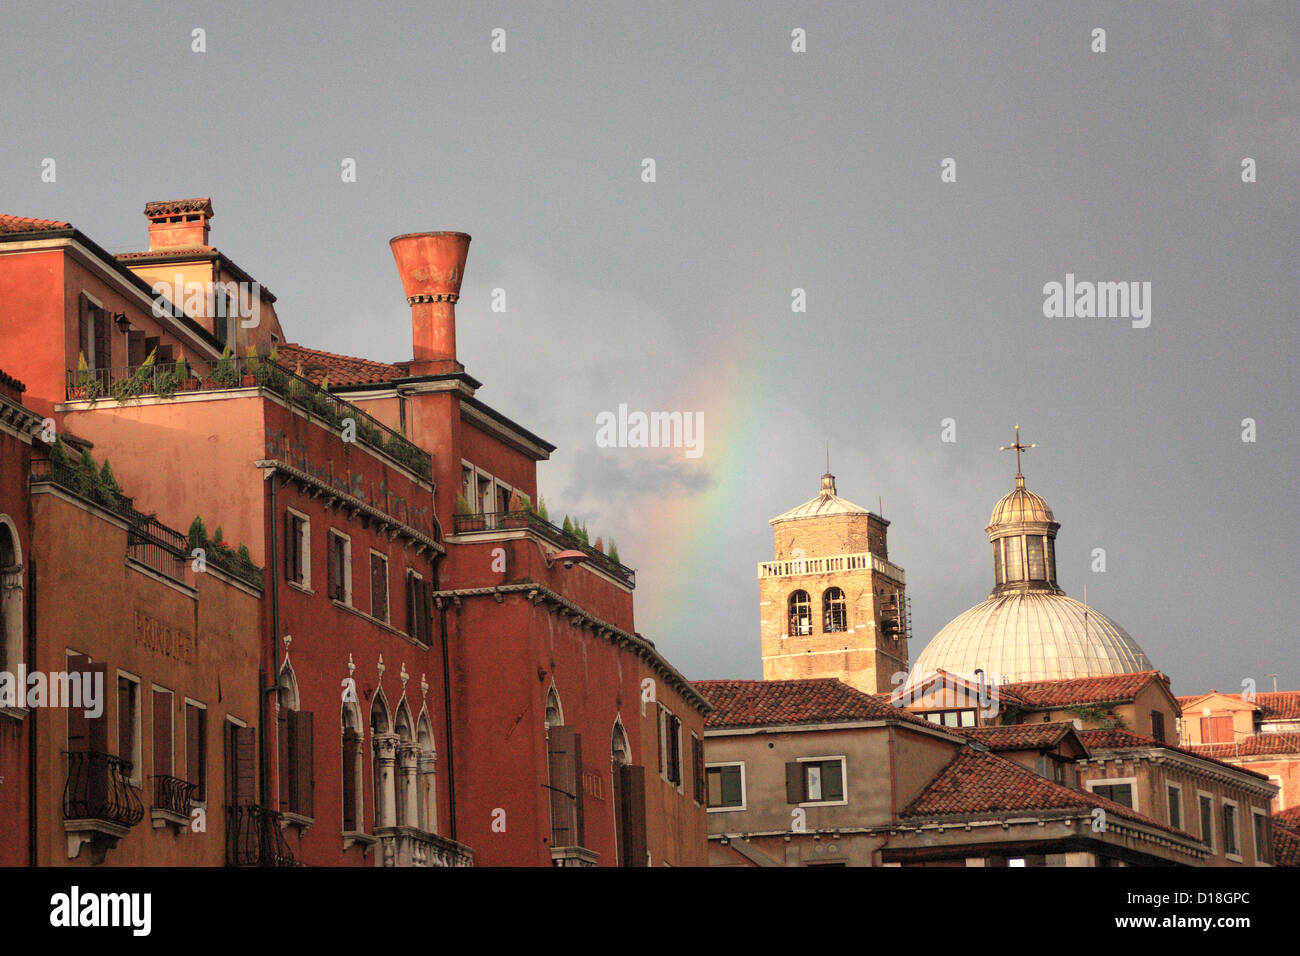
162,733
335,568
290,547
195,768
283,762
302,790
103,350
674,749
411,623
630,799
87,733
794,783
83,336
351,745
659,737
125,720
245,766
697,768
562,757
378,587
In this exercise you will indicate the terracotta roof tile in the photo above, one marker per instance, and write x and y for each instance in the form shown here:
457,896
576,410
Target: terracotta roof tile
1286,846
1116,739
1279,705
977,782
7,379
176,207
17,224
1256,745
176,252
754,703
1020,736
1289,817
1083,690
341,369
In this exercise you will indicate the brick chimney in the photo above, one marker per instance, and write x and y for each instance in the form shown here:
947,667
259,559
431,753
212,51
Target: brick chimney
178,223
432,265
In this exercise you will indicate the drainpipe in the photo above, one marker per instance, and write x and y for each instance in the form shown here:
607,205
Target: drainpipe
31,713
264,783
446,685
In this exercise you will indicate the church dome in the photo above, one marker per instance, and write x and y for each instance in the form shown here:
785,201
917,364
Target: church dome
1031,635
1028,629
1020,505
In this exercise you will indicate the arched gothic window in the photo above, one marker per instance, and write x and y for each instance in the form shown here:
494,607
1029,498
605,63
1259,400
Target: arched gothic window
428,783
352,770
11,598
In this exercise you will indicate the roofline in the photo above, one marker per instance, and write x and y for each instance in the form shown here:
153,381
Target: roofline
856,723
199,255
87,246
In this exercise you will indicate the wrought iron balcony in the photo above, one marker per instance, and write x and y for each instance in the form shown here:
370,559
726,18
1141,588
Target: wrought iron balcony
409,846
167,379
173,795
254,838
496,521
99,789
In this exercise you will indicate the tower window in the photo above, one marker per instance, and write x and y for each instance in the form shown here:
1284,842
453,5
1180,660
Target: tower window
999,576
1015,564
1035,547
800,605
835,613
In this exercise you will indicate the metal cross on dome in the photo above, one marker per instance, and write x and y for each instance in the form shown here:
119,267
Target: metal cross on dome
1019,447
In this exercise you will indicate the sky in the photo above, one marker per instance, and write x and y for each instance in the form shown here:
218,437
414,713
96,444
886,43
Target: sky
773,171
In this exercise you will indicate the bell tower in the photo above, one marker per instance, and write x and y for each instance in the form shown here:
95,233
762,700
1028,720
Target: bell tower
831,603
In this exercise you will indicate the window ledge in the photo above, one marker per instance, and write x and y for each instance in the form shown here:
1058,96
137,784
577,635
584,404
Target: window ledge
290,819
300,587
14,713
1233,857
573,856
162,819
359,838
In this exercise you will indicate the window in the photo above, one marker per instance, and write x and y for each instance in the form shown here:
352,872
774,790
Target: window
1229,829
467,484
503,498
1263,837
1207,819
340,568
93,337
726,786
670,746
1121,793
484,500
835,614
697,769
564,761
378,586
196,745
128,724
998,574
163,732
353,770
297,566
417,608
952,718
1035,554
815,780
1015,565
241,764
11,599
800,605
1216,730
1051,560
1158,725
1174,796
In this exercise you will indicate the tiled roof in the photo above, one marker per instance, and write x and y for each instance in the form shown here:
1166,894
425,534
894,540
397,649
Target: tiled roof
976,782
1116,739
1288,818
341,369
1286,846
1021,736
1083,690
754,703
1256,745
23,224
7,379
176,252
1279,705
177,207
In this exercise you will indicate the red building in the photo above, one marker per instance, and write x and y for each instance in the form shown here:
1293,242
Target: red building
433,676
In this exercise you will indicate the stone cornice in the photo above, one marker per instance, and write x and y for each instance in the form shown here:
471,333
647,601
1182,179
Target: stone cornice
336,498
538,593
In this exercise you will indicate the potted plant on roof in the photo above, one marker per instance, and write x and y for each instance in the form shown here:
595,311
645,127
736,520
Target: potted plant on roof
184,381
251,369
224,373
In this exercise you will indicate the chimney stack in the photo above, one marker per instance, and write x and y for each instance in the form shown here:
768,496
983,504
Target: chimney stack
432,265
178,223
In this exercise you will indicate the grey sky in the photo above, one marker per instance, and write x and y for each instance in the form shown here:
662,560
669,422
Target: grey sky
775,170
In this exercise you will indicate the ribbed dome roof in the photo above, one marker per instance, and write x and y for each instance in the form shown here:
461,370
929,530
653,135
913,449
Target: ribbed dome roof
1020,505
1032,635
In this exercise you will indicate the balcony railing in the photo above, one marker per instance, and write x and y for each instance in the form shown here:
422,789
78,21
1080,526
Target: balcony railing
408,846
253,837
99,788
148,540
173,794
859,561
166,379
508,520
